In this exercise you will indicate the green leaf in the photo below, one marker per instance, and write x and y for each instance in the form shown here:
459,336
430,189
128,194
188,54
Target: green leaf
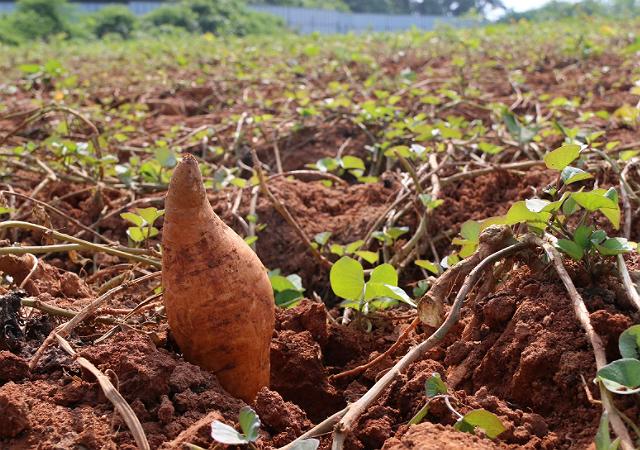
450,261
336,249
288,298
481,418
597,237
600,200
555,206
401,150
322,238
428,201
562,157
327,164
238,182
573,174
489,148
347,278
420,415
133,218
594,200
614,246
166,157
194,447
621,376
370,257
136,234
464,426
150,232
519,213
365,180
306,444
225,434
395,232
512,124
431,267
470,230
250,240
629,342
354,246
435,386
569,206
581,236
570,248
536,205
280,283
399,294
385,274
352,162
150,215
249,423
628,154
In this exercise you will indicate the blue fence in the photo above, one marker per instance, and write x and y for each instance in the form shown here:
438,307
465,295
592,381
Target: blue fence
306,20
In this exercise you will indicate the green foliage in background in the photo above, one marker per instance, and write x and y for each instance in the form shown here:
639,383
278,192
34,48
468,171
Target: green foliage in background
44,20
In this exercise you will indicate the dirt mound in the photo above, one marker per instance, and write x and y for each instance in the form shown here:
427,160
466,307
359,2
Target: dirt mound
431,436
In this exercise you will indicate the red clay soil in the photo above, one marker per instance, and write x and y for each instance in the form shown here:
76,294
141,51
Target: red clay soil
518,352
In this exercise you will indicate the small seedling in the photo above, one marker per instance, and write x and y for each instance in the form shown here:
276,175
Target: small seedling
321,242
623,375
143,221
380,292
488,422
580,239
250,426
288,291
620,377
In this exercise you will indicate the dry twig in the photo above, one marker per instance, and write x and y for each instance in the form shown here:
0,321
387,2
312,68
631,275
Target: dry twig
65,329
118,401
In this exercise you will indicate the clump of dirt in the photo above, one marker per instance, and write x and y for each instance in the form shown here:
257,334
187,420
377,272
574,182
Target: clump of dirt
298,373
345,211
485,196
431,436
283,420
12,367
167,394
46,278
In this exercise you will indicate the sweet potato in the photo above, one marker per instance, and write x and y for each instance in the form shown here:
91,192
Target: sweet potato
217,294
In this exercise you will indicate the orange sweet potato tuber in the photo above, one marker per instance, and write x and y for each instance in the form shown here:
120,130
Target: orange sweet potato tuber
217,294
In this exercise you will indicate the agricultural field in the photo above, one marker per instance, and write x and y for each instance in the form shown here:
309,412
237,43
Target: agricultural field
448,220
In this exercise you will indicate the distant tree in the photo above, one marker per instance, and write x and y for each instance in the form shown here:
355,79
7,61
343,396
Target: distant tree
435,7
561,9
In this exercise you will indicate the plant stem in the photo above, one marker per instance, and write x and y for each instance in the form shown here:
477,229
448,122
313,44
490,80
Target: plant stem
84,244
